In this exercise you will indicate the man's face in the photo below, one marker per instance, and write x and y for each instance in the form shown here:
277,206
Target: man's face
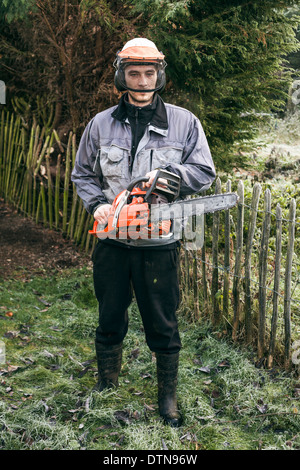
140,77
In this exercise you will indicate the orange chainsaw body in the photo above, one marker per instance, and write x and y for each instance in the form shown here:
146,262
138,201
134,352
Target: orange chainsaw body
133,220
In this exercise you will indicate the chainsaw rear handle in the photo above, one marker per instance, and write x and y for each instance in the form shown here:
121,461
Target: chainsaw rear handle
122,202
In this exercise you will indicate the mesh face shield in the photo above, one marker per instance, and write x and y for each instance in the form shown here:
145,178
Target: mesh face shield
120,81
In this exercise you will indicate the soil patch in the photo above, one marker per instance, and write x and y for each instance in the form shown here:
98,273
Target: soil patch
27,249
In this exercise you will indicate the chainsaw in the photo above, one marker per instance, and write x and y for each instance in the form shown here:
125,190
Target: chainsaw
146,214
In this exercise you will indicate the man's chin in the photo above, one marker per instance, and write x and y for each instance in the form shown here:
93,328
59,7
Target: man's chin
141,97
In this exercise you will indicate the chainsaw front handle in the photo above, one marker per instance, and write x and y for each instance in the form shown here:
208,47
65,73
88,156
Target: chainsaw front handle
136,181
170,189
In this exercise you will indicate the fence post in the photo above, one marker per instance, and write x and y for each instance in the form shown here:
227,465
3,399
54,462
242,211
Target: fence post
215,241
287,284
8,155
187,271
251,229
50,189
238,259
195,286
66,184
263,262
203,261
226,257
276,285
36,149
57,187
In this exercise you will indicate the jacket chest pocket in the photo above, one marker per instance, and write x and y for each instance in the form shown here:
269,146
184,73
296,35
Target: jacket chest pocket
113,161
164,156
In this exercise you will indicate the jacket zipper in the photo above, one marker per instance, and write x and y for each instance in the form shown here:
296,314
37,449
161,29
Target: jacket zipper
131,157
136,129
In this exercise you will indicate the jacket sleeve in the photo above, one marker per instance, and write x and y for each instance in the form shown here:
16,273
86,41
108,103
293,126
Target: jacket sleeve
197,170
86,181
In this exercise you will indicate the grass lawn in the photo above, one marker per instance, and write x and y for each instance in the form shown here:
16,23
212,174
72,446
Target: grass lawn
47,325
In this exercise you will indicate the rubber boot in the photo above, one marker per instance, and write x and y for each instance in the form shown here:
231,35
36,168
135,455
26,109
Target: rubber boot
109,360
167,371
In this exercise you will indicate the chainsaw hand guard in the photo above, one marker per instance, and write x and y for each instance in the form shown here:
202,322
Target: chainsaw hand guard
166,184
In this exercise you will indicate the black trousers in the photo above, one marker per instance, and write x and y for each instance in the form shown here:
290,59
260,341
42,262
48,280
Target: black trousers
153,276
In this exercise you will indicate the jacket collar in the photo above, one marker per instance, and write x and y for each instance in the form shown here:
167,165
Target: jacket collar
159,119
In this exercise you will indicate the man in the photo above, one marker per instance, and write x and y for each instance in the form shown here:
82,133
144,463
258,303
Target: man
135,138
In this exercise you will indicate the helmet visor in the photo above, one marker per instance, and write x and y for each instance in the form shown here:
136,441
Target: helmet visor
122,64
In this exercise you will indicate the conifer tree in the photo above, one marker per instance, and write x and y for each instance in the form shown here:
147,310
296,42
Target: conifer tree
225,59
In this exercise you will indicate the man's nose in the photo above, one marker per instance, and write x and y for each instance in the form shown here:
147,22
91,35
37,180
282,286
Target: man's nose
143,80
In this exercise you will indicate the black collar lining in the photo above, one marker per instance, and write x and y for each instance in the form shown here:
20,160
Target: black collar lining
159,118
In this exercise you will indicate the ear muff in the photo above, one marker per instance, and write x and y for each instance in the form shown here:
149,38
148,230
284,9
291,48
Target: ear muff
161,79
120,79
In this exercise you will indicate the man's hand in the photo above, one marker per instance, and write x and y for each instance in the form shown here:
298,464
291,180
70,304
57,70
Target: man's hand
102,213
151,175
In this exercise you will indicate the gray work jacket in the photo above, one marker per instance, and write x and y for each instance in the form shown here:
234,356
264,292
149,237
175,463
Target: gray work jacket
102,168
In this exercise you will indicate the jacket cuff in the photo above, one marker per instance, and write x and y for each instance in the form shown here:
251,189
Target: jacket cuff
96,207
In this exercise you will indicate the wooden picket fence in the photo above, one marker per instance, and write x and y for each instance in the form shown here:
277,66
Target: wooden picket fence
40,190
248,294
223,281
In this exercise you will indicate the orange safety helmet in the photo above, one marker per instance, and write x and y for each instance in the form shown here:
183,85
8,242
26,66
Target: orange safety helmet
139,51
